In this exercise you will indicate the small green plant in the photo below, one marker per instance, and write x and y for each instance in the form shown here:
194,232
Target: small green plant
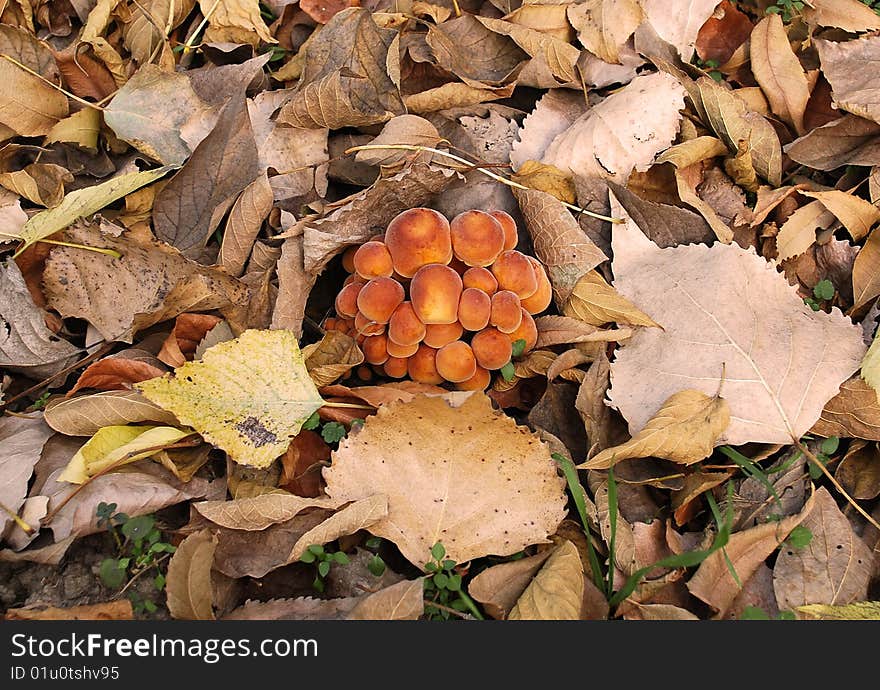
375,565
827,448
508,371
711,68
331,432
40,402
823,291
443,588
139,549
873,4
322,560
799,538
789,9
756,613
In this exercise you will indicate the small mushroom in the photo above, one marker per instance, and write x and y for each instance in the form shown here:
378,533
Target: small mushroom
481,279
478,382
474,309
477,238
439,334
378,299
364,327
418,237
455,362
435,290
375,349
492,348
395,367
514,272
405,327
401,351
508,224
506,311
539,301
346,300
527,331
422,366
373,260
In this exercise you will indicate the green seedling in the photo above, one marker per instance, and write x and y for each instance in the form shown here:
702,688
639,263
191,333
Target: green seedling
443,590
822,292
508,372
756,613
827,448
40,402
139,549
710,67
788,9
799,538
331,432
322,560
375,565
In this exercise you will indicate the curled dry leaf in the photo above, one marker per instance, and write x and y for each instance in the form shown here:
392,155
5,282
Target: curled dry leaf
595,302
557,592
151,282
236,402
499,587
244,223
84,415
859,471
834,568
857,215
853,87
332,358
684,430
854,412
447,478
188,582
849,15
559,242
776,391
665,225
798,232
115,373
604,26
189,330
866,272
622,133
409,130
401,601
357,515
558,330
848,140
678,21
22,441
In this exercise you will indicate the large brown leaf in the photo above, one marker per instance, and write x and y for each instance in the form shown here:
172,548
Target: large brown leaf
848,140
718,306
853,86
465,476
834,568
191,205
151,282
850,15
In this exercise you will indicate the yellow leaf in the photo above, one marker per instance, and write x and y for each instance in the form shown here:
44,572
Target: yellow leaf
594,301
546,178
113,443
861,610
247,396
557,592
684,430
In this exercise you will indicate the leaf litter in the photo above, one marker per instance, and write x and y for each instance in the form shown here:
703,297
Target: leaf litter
695,185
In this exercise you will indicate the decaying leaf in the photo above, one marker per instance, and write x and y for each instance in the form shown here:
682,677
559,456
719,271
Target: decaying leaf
854,88
860,610
401,601
360,514
684,430
254,420
557,591
853,412
848,140
499,587
105,611
256,513
332,358
557,330
447,478
84,415
22,441
188,583
717,332
604,26
678,21
595,302
834,568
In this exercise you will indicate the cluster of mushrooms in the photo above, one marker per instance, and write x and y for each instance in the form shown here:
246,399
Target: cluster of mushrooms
441,301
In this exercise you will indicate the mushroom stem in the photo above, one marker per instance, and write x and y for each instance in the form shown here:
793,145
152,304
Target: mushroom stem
488,173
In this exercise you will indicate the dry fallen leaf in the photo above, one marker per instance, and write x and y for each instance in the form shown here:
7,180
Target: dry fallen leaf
595,302
684,430
188,582
556,593
236,402
85,414
834,568
259,512
678,21
499,587
854,412
465,476
105,611
860,610
117,373
848,140
717,304
331,358
22,441
401,601
361,514
853,87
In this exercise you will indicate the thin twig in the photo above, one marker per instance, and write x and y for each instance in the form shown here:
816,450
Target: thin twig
474,166
141,572
192,39
55,86
812,458
451,610
26,528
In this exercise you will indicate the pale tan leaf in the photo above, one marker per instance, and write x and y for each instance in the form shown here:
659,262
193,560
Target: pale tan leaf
238,404
778,71
834,568
446,473
556,593
243,225
149,283
453,95
188,582
854,412
559,330
22,440
560,243
687,192
692,151
849,15
798,232
733,121
857,215
853,87
85,414
332,358
103,611
235,21
714,304
595,302
860,610
499,587
866,272
403,600
410,130
294,286
622,133
361,514
678,21
604,26
259,512
684,430
745,551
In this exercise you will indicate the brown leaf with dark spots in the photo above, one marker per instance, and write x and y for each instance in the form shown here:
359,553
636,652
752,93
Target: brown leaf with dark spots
189,330
190,207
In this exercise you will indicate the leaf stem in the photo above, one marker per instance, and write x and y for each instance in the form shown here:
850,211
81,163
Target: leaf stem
74,245
55,86
488,173
25,527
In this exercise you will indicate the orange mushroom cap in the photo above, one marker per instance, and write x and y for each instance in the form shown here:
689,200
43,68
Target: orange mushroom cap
404,327
378,299
439,334
508,224
506,311
375,349
348,258
395,367
434,291
422,366
543,295
478,382
481,279
346,301
527,331
400,351
474,309
364,327
492,348
477,238
514,272
455,362
418,237
373,260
